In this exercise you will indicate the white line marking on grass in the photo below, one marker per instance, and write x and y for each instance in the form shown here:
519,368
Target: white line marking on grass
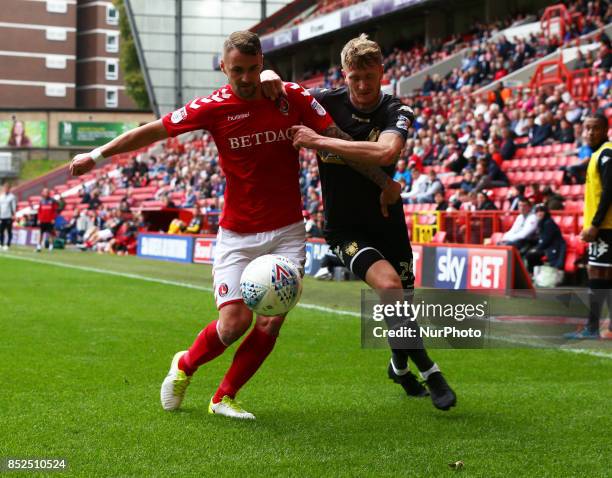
187,285
593,353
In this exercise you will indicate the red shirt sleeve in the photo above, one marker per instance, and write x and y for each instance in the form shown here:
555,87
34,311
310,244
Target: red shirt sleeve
195,115
312,112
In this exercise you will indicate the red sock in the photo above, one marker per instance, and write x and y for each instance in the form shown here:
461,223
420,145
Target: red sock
206,347
249,357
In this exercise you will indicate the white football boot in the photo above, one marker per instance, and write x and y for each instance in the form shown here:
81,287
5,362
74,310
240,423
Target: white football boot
174,385
229,407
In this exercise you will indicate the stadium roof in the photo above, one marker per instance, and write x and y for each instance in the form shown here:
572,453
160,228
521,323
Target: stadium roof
177,41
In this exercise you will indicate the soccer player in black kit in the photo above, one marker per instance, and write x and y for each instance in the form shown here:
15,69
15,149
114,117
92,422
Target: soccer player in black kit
364,226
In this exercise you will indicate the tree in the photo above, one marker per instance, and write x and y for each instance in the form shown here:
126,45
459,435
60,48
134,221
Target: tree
128,60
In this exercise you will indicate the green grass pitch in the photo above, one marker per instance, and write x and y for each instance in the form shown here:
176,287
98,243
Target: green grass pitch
83,354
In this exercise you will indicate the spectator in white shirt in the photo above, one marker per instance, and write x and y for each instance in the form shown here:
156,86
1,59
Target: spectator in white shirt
420,183
8,208
522,233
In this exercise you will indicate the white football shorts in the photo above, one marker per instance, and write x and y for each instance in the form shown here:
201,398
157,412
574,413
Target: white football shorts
234,251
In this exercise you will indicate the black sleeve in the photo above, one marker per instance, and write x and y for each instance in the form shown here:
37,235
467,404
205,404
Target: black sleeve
546,235
398,119
604,165
318,93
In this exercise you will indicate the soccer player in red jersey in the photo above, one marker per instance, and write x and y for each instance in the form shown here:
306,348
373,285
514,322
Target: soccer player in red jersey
47,212
262,211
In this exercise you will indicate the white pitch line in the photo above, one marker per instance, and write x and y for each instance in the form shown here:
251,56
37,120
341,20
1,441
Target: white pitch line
348,313
164,282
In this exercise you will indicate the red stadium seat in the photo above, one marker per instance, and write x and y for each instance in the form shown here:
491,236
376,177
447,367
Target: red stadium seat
547,177
523,164
577,191
439,237
549,163
568,224
521,141
534,164
506,221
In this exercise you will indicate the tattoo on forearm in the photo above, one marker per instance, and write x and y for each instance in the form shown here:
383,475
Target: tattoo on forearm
373,173
334,132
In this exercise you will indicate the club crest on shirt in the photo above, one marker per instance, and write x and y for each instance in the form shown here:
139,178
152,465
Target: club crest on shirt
179,115
282,104
223,289
351,249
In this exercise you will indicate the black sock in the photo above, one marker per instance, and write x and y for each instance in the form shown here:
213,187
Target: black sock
421,359
400,359
598,295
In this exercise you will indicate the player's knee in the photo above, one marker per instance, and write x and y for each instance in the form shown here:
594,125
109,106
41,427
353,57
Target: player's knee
270,325
390,282
234,324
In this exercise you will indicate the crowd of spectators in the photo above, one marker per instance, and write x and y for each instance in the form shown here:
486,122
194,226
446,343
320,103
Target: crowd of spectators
457,136
491,55
188,171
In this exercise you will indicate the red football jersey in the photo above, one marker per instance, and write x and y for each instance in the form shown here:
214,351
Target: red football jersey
255,152
47,210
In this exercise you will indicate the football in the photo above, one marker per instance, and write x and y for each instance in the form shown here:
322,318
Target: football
271,285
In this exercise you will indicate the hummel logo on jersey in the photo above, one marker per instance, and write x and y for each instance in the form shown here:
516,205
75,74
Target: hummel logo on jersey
604,159
361,120
256,139
240,116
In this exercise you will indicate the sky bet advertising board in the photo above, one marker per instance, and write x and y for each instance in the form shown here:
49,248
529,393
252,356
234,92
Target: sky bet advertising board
473,268
448,267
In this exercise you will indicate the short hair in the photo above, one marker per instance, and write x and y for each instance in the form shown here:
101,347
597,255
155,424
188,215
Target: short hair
361,53
245,42
600,117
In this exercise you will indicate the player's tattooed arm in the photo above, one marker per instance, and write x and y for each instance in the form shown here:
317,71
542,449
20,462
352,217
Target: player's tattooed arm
390,189
373,173
334,132
383,152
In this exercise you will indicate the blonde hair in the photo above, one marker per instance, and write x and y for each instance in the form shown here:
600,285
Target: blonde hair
245,42
361,53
